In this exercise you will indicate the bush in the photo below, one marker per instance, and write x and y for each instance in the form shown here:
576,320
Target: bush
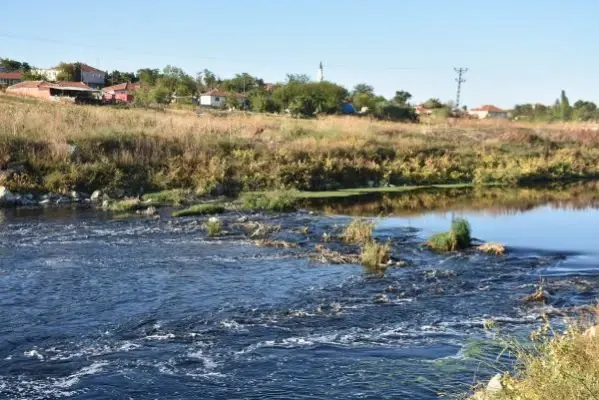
359,231
458,238
279,201
213,226
200,209
375,255
124,206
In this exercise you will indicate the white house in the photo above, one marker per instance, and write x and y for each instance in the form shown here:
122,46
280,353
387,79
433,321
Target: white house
489,112
218,98
91,76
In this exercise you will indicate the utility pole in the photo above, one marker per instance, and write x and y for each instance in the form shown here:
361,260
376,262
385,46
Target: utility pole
321,73
460,71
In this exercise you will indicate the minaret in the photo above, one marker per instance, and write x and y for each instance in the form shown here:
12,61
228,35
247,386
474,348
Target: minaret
321,73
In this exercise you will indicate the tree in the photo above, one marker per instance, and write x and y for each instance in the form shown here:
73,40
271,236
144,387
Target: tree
298,78
260,101
564,107
585,111
242,83
69,72
433,103
33,76
401,97
115,77
148,76
14,65
209,79
363,88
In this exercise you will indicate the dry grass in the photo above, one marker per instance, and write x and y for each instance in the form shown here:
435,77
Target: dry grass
558,366
359,231
157,150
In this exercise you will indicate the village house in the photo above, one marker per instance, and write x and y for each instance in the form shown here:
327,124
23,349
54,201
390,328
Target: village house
10,78
422,110
73,91
121,93
218,98
489,112
91,76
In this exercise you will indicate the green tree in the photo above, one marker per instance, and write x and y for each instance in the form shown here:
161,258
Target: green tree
14,65
363,88
148,76
402,97
298,78
33,76
69,72
565,110
242,83
115,77
260,101
209,79
433,104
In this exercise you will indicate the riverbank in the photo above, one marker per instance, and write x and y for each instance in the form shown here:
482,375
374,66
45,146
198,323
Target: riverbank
46,147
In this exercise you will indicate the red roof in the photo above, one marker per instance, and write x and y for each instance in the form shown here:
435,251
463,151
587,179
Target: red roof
489,108
87,68
11,75
51,85
132,87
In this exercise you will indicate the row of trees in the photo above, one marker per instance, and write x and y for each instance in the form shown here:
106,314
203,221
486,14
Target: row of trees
561,110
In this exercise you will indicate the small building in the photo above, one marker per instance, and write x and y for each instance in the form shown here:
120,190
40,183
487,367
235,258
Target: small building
422,110
489,112
121,93
72,91
10,78
91,76
218,98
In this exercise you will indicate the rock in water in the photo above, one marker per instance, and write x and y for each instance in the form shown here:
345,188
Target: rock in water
75,195
96,196
150,211
495,386
6,197
381,298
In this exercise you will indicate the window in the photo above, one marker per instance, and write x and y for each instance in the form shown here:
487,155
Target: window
217,98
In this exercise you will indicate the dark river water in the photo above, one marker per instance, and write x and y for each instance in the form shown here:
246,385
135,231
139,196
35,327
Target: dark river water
96,308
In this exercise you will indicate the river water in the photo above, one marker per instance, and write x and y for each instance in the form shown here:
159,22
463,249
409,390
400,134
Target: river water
97,308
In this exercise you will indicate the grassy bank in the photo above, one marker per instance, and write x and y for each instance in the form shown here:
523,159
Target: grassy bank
58,147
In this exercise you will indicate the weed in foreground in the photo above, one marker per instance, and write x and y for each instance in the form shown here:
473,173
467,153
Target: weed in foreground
200,209
359,231
558,365
174,197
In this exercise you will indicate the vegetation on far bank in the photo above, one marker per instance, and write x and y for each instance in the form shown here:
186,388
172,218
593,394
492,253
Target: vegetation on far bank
47,147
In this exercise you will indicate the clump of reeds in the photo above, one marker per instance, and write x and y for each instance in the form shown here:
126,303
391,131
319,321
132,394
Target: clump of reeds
458,238
213,226
375,255
359,231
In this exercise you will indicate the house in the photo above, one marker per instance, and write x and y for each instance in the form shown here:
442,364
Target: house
121,93
489,112
422,110
218,98
73,91
10,78
91,76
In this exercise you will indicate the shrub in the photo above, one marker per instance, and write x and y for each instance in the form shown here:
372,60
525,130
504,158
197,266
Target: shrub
458,238
213,226
359,231
375,255
124,206
200,209
270,201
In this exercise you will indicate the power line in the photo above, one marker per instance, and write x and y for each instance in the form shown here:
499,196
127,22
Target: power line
460,71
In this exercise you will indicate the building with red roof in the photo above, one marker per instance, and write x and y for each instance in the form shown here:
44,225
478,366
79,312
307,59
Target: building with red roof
121,93
52,90
10,78
489,112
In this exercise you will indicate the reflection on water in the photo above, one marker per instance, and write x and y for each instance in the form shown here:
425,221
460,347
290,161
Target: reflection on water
487,200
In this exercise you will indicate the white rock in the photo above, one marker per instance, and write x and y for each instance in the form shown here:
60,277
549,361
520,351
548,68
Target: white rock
75,195
494,386
381,298
105,204
6,197
63,200
45,202
96,196
150,211
242,219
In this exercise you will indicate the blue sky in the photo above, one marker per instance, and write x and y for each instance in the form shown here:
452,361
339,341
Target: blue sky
516,51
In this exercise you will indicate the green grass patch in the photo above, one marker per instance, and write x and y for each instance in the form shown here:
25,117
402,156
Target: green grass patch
279,201
458,238
125,206
173,197
200,209
213,226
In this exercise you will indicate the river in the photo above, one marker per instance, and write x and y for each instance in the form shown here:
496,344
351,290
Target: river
93,307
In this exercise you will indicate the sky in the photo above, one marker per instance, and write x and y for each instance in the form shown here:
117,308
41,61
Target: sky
516,51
